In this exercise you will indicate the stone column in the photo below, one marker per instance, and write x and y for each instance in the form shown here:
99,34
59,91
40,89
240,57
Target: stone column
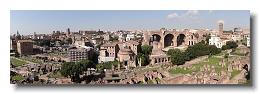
174,41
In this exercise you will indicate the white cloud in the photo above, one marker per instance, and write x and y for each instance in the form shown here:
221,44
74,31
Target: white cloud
172,15
191,15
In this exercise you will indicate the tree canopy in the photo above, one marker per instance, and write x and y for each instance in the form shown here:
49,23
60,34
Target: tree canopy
74,69
143,56
230,45
177,57
199,49
107,65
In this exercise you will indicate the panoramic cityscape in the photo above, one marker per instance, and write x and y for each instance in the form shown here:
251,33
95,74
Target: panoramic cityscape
130,47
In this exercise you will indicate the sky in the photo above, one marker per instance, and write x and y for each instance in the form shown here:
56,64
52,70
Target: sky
46,21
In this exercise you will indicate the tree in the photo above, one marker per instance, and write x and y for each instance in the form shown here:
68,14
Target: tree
224,47
69,40
146,49
74,69
143,57
99,66
42,42
213,49
113,38
207,39
196,50
230,45
107,65
177,57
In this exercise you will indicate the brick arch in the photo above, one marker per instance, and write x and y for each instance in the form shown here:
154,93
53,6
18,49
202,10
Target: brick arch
163,35
181,39
168,40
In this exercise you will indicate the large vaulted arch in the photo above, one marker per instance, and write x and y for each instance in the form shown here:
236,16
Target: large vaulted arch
168,40
180,39
156,37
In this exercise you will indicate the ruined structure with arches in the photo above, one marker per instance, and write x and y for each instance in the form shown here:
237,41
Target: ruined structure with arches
170,38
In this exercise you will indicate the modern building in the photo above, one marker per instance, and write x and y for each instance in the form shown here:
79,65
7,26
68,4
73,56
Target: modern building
77,54
25,47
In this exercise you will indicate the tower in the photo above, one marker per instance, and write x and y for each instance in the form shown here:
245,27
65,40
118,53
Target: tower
18,36
146,38
221,26
68,32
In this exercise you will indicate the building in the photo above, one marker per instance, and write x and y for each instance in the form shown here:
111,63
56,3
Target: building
248,41
127,54
108,52
106,37
236,37
81,53
238,30
83,42
215,40
221,27
68,32
171,38
130,37
25,47
13,45
158,56
122,37
126,57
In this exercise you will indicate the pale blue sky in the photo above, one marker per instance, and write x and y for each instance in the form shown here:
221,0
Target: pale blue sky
46,21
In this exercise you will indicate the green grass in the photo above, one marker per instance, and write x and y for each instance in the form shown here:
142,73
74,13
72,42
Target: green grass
239,52
17,62
212,61
18,78
31,59
234,73
150,82
220,54
157,79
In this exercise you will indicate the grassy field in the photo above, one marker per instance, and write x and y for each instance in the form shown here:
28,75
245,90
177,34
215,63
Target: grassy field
239,52
18,78
17,62
31,59
212,61
234,73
